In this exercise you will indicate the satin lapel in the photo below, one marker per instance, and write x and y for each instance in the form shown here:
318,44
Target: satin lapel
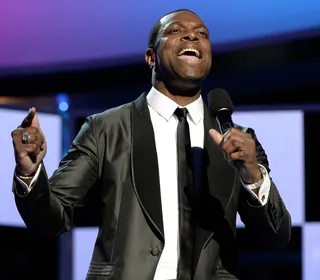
145,164
217,187
221,176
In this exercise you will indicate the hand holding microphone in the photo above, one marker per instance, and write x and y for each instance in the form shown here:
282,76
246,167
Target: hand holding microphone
238,146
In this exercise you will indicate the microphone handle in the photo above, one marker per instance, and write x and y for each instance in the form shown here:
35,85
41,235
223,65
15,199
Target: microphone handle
224,120
225,123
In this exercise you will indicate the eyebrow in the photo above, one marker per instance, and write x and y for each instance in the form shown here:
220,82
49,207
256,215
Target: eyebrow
199,25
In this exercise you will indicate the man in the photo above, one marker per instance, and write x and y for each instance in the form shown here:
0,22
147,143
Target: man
127,160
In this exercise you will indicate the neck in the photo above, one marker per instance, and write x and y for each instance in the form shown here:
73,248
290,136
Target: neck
182,95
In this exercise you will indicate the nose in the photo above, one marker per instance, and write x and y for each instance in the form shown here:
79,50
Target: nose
191,36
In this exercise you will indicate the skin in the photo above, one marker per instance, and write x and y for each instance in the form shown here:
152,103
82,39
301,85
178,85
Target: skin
29,156
238,145
177,78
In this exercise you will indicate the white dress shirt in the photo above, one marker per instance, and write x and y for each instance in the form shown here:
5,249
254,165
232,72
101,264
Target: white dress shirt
165,130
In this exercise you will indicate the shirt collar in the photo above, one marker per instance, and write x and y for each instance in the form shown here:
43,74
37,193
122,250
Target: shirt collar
165,106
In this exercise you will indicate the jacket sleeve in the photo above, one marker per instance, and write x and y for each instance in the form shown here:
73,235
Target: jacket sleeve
267,226
49,207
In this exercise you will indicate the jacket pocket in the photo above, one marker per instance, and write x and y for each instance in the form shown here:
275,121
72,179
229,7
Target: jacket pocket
100,268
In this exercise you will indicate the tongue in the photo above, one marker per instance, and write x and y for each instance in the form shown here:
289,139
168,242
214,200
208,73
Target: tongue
188,58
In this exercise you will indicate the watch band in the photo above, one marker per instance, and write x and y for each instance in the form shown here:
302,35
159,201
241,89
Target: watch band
258,184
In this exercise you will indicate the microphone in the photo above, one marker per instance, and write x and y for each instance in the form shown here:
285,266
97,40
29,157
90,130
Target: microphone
221,107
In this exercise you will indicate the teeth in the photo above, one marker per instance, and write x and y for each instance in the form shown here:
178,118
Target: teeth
190,50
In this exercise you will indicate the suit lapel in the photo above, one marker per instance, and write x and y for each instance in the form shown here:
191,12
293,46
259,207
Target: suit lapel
145,164
216,189
220,174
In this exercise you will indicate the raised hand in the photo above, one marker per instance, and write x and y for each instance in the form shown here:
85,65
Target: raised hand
239,146
29,145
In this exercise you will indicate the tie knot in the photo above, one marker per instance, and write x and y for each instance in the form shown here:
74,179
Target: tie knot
181,113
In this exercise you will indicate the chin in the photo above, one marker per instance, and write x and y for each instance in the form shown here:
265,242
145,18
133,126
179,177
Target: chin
192,77
192,74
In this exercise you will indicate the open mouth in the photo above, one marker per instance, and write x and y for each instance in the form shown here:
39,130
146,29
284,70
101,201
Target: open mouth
190,52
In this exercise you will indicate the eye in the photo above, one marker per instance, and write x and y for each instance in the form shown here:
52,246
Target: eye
175,30
202,33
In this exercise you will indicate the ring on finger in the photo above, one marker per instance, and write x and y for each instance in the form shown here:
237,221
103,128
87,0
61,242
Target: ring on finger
26,138
226,136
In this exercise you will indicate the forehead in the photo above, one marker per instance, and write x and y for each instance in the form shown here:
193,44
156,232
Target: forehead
182,16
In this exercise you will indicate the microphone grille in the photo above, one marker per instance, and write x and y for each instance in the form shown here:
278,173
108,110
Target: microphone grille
218,99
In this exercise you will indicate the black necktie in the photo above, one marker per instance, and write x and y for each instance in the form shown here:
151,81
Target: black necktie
185,195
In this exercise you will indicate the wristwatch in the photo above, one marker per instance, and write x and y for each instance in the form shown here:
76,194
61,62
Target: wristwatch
258,184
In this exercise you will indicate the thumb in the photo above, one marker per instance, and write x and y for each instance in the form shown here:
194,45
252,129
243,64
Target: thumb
216,136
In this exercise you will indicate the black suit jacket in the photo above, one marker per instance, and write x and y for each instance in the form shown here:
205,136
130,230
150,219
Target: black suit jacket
111,172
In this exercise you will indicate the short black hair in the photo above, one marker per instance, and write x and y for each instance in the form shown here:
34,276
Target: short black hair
153,35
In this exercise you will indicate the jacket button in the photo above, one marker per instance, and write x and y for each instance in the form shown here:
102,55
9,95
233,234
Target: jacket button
155,251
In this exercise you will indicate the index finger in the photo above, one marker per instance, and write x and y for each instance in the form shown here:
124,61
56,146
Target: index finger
28,119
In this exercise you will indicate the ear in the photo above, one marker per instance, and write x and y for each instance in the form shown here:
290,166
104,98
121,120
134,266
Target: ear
150,57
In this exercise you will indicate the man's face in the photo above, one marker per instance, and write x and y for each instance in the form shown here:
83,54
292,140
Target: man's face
183,49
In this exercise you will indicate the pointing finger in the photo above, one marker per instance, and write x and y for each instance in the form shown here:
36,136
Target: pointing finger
27,121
